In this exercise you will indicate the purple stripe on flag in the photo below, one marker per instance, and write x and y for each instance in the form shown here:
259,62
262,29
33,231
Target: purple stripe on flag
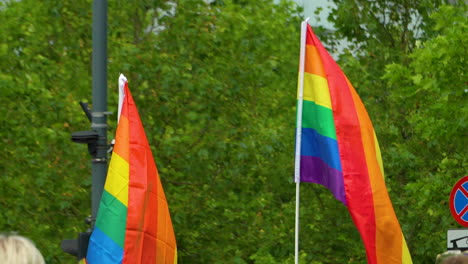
315,170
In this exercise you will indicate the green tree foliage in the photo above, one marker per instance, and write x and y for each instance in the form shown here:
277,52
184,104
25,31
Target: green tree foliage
215,86
44,183
430,141
377,33
416,95
221,125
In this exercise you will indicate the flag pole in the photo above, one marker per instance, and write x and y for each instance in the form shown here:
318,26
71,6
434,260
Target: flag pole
122,81
297,165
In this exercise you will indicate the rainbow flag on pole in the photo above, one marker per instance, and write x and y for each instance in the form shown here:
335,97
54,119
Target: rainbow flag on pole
133,224
337,147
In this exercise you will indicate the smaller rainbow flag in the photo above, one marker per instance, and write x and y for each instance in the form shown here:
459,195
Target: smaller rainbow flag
337,148
133,224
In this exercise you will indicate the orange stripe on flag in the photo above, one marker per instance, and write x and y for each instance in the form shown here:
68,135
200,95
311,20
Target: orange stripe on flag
149,234
121,146
314,63
386,223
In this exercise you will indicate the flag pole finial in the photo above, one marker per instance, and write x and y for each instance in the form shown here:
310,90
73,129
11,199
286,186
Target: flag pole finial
122,81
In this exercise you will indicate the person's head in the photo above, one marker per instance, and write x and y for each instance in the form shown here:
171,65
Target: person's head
16,249
457,259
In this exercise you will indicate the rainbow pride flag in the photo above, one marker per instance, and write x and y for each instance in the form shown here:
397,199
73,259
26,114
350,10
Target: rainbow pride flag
133,224
339,150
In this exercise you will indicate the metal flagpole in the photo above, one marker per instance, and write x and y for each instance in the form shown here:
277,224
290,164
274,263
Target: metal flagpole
300,96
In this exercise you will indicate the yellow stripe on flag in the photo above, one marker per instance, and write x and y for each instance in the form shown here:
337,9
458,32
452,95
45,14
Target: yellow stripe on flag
379,155
316,90
117,179
406,257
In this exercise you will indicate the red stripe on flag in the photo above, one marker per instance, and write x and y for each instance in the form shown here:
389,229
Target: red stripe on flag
147,205
355,172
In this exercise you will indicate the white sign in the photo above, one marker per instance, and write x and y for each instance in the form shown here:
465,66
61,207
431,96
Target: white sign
457,239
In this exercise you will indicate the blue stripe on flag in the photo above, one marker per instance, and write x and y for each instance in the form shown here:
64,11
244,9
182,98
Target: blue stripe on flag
315,145
102,249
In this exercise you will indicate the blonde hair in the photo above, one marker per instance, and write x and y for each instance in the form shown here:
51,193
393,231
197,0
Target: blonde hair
16,249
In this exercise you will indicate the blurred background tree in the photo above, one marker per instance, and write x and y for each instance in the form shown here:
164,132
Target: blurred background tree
215,84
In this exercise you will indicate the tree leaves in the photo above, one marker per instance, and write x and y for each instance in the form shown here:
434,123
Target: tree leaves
215,85
419,113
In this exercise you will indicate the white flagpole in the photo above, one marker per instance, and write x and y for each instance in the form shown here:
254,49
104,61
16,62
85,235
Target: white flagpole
300,96
122,81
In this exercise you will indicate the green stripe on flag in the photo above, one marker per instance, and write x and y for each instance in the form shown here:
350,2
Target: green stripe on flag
319,118
112,218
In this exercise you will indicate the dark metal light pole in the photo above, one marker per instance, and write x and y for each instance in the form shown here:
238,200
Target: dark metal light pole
97,137
99,119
